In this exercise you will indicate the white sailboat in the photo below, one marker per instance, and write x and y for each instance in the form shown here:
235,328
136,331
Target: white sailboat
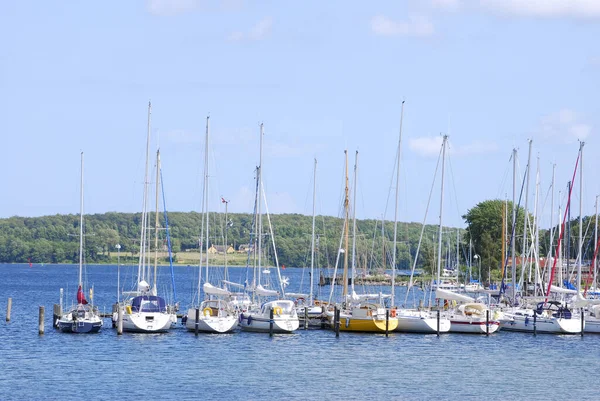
217,314
82,317
548,316
277,316
143,310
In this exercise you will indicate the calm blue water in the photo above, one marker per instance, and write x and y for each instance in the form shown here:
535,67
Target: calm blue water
307,365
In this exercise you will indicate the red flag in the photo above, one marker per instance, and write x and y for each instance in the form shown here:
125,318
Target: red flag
223,200
81,296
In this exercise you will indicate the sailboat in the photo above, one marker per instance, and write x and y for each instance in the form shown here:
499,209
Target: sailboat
357,314
279,315
469,317
143,310
82,317
548,316
217,314
411,320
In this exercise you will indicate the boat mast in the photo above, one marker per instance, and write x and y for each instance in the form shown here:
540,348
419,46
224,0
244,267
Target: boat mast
144,223
396,206
312,246
525,251
537,228
595,250
206,197
580,217
226,202
439,250
514,222
346,205
354,220
259,204
156,221
503,258
81,224
552,255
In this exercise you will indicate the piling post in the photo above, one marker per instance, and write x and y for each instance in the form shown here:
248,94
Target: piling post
323,317
387,322
41,321
438,323
119,320
197,322
534,323
271,322
305,317
581,314
115,309
8,308
487,322
56,314
336,321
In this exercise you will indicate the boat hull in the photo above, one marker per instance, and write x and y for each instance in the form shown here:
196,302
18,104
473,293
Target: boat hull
592,325
363,324
473,325
421,322
258,322
80,326
211,324
543,325
148,322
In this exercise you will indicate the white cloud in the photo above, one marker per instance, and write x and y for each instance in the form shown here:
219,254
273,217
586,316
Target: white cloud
526,8
564,126
259,31
171,7
426,146
545,8
417,26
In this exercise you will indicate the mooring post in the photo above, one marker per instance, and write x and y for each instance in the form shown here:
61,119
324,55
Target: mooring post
582,321
336,321
8,308
271,321
41,321
487,322
534,323
197,322
305,317
438,322
119,320
56,314
115,310
323,317
387,321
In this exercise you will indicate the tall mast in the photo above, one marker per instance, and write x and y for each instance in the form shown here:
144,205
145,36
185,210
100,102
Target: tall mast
503,258
226,274
144,223
514,229
346,217
580,216
595,242
81,223
354,220
396,205
537,228
525,251
260,170
439,250
206,196
552,214
560,245
156,220
312,245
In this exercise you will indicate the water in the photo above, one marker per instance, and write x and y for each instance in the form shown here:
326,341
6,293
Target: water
307,365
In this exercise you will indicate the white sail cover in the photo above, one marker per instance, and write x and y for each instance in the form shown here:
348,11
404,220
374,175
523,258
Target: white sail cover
560,290
452,296
263,292
211,289
236,285
296,295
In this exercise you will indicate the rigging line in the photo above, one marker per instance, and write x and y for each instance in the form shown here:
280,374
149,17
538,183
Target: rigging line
416,258
562,230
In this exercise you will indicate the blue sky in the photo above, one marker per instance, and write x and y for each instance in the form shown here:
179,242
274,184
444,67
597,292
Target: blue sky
322,76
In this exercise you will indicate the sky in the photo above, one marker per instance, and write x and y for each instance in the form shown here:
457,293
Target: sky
323,77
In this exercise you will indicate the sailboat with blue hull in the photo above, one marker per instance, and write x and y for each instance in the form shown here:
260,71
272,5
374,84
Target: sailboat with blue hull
82,317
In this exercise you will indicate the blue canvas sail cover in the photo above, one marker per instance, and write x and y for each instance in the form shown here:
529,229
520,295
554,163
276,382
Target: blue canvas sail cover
148,303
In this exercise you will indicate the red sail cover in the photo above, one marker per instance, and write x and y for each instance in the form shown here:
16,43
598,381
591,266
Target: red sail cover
81,296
